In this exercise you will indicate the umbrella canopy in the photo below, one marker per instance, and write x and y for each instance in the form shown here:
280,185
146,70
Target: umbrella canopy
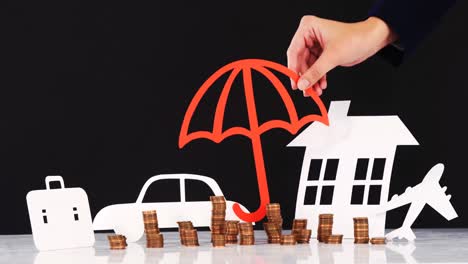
255,129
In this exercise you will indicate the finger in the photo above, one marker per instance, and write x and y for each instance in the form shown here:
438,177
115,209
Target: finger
296,52
322,65
294,63
303,64
317,88
318,91
298,65
323,82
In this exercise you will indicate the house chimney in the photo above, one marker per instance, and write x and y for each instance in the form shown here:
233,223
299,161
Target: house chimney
338,110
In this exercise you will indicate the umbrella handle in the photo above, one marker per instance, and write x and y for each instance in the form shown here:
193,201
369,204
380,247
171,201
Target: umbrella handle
259,214
250,217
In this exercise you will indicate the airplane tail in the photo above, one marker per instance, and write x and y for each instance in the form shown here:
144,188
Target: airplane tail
402,233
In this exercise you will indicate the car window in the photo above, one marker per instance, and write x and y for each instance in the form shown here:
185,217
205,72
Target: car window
197,191
167,190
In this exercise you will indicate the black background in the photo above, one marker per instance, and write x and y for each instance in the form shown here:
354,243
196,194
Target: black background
96,92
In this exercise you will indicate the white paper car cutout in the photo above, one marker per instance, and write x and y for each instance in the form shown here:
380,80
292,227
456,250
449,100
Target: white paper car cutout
127,219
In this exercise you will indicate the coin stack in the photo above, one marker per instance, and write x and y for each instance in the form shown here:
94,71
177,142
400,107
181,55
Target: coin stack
231,229
218,215
334,239
190,237
150,219
273,232
378,240
183,225
154,239
288,240
273,213
303,236
297,226
361,230
246,234
325,227
117,241
218,240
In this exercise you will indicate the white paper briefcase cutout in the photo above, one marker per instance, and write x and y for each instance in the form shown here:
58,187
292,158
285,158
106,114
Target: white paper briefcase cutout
331,181
60,218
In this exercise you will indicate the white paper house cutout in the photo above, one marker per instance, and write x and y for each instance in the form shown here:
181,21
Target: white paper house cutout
369,139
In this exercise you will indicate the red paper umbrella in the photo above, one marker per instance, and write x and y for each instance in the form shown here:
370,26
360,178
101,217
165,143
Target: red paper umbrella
255,130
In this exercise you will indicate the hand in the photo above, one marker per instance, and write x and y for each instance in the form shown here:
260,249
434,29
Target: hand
320,45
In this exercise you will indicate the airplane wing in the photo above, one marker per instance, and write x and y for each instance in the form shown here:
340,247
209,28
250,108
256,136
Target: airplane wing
428,191
441,203
397,201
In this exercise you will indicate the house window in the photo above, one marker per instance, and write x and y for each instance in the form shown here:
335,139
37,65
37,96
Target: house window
311,193
368,180
378,169
357,197
330,170
314,169
321,181
361,169
374,194
327,195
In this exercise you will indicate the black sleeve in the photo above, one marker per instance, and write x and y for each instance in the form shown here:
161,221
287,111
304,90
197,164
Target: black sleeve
412,20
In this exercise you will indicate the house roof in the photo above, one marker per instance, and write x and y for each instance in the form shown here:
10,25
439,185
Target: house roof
355,132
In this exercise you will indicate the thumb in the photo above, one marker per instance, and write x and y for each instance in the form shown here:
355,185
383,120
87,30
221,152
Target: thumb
321,66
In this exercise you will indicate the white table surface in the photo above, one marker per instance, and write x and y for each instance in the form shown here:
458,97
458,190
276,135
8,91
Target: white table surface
431,246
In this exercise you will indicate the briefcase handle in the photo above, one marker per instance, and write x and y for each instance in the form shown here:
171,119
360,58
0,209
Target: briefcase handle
50,179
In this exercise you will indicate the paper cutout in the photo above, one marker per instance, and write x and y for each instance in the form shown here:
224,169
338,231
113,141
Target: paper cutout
60,218
255,130
127,219
350,142
427,192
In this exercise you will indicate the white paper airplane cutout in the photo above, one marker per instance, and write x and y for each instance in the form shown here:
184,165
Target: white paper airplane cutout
428,192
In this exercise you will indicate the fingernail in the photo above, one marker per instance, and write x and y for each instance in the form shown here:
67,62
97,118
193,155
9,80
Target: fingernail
293,85
303,84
